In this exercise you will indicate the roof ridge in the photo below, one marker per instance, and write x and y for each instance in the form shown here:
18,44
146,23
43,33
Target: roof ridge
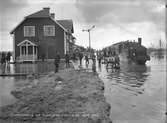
33,13
40,13
65,24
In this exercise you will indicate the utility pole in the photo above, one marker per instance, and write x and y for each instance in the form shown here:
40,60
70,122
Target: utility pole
88,30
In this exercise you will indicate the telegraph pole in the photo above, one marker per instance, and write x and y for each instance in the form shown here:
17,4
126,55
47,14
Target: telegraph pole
88,30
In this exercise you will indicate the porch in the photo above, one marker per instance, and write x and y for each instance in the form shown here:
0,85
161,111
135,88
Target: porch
28,51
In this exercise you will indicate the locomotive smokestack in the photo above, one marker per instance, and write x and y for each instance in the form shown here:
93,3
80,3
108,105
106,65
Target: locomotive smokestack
139,41
52,15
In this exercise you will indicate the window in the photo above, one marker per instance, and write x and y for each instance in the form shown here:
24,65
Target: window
29,31
49,30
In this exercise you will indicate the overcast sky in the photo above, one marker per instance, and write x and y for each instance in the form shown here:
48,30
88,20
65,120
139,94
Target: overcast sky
114,20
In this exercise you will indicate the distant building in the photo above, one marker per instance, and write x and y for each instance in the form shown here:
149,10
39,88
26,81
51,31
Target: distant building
40,35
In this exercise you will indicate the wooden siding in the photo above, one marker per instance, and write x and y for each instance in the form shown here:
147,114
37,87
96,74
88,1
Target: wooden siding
47,45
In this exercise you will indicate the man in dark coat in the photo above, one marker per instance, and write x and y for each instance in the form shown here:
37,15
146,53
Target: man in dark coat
99,57
86,59
57,61
93,63
80,57
67,60
74,56
3,58
8,57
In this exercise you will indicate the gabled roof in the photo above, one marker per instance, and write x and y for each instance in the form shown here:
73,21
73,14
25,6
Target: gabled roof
64,24
26,41
67,24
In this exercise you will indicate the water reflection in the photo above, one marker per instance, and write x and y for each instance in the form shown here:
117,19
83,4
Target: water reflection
7,84
41,67
130,74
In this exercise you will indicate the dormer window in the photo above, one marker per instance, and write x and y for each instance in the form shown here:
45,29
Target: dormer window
29,31
49,30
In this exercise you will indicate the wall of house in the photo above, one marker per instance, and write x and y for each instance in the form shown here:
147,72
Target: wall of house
47,45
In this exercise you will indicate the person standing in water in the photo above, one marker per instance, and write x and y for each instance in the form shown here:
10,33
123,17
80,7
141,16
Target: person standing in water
67,60
86,59
94,63
57,61
99,57
80,58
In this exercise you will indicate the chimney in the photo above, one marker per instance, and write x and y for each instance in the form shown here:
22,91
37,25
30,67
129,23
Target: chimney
52,15
46,9
139,41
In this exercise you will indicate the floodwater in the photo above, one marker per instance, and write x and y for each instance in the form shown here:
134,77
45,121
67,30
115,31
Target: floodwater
7,84
40,67
136,93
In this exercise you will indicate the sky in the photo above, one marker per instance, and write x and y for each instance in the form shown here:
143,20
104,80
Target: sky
114,20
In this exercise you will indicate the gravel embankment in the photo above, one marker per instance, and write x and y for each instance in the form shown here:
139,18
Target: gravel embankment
68,96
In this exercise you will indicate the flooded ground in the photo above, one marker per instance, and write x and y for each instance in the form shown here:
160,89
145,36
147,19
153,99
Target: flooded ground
136,93
39,67
7,84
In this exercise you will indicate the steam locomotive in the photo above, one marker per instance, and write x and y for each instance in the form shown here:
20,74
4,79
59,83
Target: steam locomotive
132,51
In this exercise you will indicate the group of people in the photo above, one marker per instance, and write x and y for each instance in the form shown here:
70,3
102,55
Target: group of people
67,58
108,58
74,57
5,57
4,61
113,59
